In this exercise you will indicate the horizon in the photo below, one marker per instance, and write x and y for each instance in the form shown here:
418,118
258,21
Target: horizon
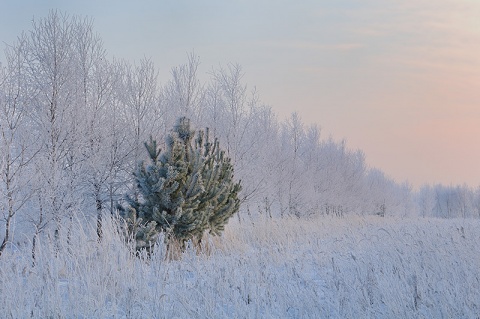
397,81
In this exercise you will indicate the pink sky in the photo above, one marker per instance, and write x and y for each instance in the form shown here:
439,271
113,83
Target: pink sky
405,89
398,79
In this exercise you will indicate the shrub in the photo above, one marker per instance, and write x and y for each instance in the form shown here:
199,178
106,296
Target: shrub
185,191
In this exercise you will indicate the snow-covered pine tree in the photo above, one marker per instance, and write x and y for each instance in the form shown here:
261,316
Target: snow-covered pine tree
185,191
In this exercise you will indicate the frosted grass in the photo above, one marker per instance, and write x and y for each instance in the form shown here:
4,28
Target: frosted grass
281,268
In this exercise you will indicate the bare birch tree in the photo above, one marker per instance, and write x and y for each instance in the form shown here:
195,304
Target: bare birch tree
17,147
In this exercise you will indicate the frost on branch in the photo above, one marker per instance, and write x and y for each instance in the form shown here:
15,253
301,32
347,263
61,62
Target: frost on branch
184,191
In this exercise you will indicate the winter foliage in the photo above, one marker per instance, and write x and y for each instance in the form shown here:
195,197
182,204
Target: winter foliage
184,191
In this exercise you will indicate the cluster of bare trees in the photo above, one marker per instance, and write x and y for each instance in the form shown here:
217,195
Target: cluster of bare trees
73,122
64,124
448,201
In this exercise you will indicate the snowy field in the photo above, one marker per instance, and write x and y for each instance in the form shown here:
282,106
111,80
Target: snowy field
286,268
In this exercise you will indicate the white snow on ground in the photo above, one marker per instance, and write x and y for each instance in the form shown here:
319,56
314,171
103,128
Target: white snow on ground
355,267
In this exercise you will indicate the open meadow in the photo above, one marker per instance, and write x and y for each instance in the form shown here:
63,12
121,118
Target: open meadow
355,267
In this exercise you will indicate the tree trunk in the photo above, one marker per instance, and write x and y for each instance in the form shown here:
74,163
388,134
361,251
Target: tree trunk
6,238
7,231
34,247
99,206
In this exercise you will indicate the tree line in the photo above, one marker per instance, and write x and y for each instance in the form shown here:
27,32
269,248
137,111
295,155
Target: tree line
74,121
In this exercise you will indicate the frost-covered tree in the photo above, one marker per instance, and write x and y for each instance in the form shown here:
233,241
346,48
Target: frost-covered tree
184,191
448,201
183,95
50,67
17,147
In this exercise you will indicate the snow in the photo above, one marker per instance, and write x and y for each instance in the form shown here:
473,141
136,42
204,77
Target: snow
356,267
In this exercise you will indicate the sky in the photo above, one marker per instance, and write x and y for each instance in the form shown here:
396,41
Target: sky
398,79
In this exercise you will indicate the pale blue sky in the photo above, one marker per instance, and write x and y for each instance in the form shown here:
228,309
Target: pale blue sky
399,79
